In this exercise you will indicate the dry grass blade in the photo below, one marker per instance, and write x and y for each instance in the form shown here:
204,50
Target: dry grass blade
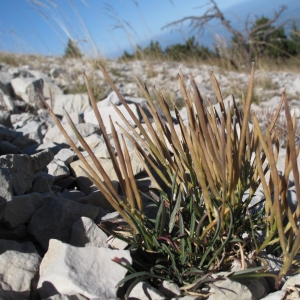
132,181
109,193
217,92
292,148
104,132
92,155
246,109
125,183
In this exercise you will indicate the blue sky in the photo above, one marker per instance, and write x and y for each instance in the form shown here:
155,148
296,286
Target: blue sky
43,26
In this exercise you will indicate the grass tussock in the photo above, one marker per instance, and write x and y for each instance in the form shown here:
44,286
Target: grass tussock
209,169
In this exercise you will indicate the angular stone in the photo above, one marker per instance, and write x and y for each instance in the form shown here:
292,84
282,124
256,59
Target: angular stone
8,148
76,118
5,118
19,265
78,103
67,297
54,220
66,182
7,134
65,155
17,233
41,183
33,131
94,140
28,90
279,295
169,289
58,169
54,135
24,142
71,194
84,182
5,85
20,209
111,98
107,112
293,281
96,198
7,102
6,193
227,289
85,233
89,271
144,291
22,167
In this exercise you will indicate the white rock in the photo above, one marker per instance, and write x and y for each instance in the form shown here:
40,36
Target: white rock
292,282
77,103
54,134
58,169
279,295
19,264
28,89
144,291
84,182
109,111
32,130
296,86
226,289
65,155
169,289
88,271
111,98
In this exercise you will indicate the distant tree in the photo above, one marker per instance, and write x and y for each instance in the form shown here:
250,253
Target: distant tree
243,41
266,40
72,50
153,51
190,49
294,40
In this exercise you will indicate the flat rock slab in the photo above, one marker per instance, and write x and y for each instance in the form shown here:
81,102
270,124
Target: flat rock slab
19,264
89,271
84,182
54,220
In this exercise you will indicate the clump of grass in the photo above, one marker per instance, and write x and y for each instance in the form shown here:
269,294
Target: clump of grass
204,173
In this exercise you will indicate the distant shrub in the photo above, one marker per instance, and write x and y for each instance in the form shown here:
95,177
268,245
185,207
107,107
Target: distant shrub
72,50
178,52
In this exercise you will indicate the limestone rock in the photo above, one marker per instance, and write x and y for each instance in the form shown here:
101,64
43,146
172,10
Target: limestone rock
226,289
6,193
17,233
78,103
55,136
85,233
28,90
19,264
109,111
58,169
83,180
89,271
33,131
20,209
54,220
65,155
22,167
144,291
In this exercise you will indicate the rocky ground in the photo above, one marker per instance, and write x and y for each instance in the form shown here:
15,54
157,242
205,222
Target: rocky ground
51,246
